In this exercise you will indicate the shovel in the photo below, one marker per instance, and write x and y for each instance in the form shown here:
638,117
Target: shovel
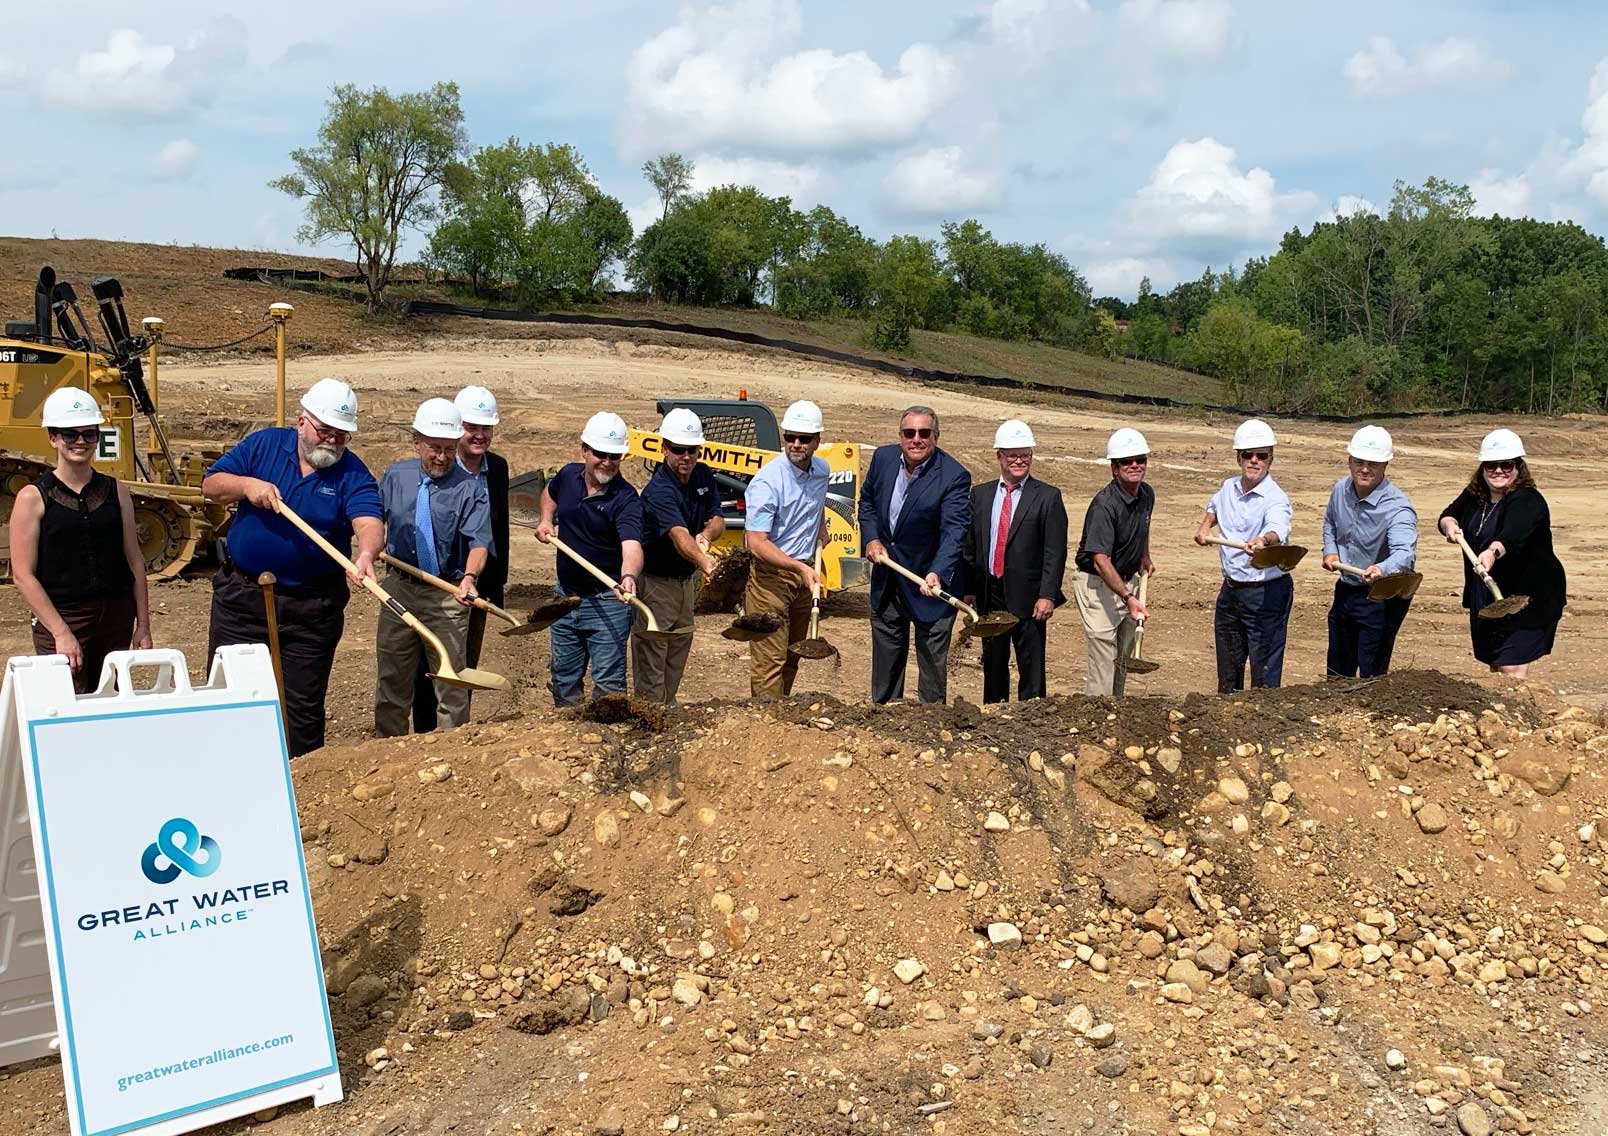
1281,556
982,626
1137,663
550,613
1403,585
747,628
651,631
266,582
469,677
516,626
1499,607
814,647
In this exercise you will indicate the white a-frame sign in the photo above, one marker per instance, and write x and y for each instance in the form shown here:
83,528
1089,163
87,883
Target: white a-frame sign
155,924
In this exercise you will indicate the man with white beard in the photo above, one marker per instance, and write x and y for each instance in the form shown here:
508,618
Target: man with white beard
309,468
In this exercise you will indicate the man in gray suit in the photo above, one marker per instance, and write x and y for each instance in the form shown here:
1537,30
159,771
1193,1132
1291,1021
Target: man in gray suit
1015,558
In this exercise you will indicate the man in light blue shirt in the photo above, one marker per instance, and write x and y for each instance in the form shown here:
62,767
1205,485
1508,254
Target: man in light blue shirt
1253,605
1369,524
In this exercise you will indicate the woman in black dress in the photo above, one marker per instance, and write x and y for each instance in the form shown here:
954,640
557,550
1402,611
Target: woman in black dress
74,555
1505,520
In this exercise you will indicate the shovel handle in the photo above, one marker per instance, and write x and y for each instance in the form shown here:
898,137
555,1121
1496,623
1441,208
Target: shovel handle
1226,543
437,582
605,579
957,604
1479,569
1351,569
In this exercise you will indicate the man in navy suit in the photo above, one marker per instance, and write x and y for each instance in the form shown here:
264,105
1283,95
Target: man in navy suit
915,509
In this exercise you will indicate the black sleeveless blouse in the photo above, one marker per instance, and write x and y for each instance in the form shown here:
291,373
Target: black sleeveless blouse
81,541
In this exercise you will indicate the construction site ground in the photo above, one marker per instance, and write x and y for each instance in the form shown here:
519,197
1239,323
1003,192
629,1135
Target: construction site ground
1334,908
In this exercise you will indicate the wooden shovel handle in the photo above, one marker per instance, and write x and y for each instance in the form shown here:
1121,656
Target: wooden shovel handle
437,582
1479,569
957,604
1226,543
603,578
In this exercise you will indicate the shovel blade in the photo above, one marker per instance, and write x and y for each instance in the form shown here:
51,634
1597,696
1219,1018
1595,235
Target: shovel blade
992,624
1501,609
527,628
1282,556
813,649
472,678
1140,666
1403,585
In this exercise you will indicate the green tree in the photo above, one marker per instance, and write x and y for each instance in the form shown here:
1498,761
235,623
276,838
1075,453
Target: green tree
831,272
379,162
671,178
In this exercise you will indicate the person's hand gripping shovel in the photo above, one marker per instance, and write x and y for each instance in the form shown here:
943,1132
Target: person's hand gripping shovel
1137,663
516,626
814,647
982,626
1500,606
651,631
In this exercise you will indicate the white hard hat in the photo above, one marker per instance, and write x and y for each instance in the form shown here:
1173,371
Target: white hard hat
70,407
1499,444
804,417
439,419
477,405
1014,434
606,434
1126,443
682,428
333,403
1371,443
1252,434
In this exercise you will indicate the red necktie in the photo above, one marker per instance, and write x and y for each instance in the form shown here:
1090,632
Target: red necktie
1004,532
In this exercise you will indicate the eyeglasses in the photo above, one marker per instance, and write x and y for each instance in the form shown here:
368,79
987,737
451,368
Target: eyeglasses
1022,457
603,457
1256,455
327,433
435,446
1505,466
799,439
916,432
89,434
1140,460
683,451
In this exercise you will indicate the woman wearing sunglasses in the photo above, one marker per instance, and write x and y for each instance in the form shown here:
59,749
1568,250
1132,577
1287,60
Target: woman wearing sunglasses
1505,520
74,554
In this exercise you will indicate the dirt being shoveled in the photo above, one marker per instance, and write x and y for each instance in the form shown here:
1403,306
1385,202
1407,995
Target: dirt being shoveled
1288,913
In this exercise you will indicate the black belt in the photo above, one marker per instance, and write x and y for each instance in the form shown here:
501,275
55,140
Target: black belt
1245,583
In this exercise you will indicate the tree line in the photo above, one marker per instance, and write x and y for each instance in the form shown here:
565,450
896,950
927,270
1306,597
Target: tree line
1424,305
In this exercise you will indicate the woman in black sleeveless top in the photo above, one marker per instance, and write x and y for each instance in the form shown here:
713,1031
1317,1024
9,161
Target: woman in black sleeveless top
74,555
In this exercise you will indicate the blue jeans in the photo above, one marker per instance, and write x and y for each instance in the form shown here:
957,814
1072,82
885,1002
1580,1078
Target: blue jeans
1362,632
1250,624
593,633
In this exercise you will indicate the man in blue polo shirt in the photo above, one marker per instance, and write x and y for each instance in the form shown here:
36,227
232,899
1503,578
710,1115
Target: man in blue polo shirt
309,468
681,518
598,514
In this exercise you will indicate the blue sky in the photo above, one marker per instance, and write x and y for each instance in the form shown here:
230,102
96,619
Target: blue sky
1134,136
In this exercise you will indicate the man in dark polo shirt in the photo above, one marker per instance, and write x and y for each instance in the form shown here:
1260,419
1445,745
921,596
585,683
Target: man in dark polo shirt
1112,553
681,518
309,468
598,514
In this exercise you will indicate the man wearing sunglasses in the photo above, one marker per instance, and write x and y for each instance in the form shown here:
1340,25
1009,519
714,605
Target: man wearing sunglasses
309,468
915,509
1253,604
681,518
1113,552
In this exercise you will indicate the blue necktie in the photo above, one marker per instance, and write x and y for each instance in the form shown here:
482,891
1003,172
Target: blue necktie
426,531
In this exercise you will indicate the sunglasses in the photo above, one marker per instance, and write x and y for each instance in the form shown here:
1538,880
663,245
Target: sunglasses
91,434
1499,466
672,448
1256,455
916,432
603,457
799,439
1132,461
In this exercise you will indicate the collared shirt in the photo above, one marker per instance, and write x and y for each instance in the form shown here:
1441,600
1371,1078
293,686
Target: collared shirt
593,525
1381,528
460,515
1001,490
485,483
901,486
1243,515
1117,525
787,502
327,499
668,504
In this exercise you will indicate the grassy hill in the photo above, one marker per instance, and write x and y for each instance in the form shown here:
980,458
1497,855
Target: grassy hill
185,285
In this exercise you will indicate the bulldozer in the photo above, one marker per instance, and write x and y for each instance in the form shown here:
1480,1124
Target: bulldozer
175,525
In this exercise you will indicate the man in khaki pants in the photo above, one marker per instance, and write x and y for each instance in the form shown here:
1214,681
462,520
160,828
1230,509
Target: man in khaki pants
1113,552
785,525
681,518
438,518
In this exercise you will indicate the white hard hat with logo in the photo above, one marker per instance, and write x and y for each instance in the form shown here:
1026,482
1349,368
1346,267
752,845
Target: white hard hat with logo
1501,444
1014,434
1253,434
1126,443
70,407
803,417
605,433
437,418
333,403
682,428
1372,444
477,405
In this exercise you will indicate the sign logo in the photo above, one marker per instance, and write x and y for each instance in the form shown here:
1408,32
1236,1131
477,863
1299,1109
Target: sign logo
180,856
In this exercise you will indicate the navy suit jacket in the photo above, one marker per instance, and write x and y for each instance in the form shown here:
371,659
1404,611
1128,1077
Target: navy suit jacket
930,535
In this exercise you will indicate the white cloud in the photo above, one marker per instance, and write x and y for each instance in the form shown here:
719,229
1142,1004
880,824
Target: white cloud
1381,72
175,159
1181,27
1589,161
1198,203
10,72
798,181
939,181
1121,276
1348,205
1496,194
723,76
1032,28
134,76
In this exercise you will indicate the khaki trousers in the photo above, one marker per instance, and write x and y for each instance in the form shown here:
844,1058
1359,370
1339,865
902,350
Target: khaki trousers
1109,631
782,591
399,649
660,663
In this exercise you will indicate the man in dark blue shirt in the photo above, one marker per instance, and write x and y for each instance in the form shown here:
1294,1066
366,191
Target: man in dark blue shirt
438,518
598,514
681,518
311,470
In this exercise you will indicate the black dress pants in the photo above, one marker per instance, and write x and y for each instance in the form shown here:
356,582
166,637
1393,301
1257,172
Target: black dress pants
890,651
1028,638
